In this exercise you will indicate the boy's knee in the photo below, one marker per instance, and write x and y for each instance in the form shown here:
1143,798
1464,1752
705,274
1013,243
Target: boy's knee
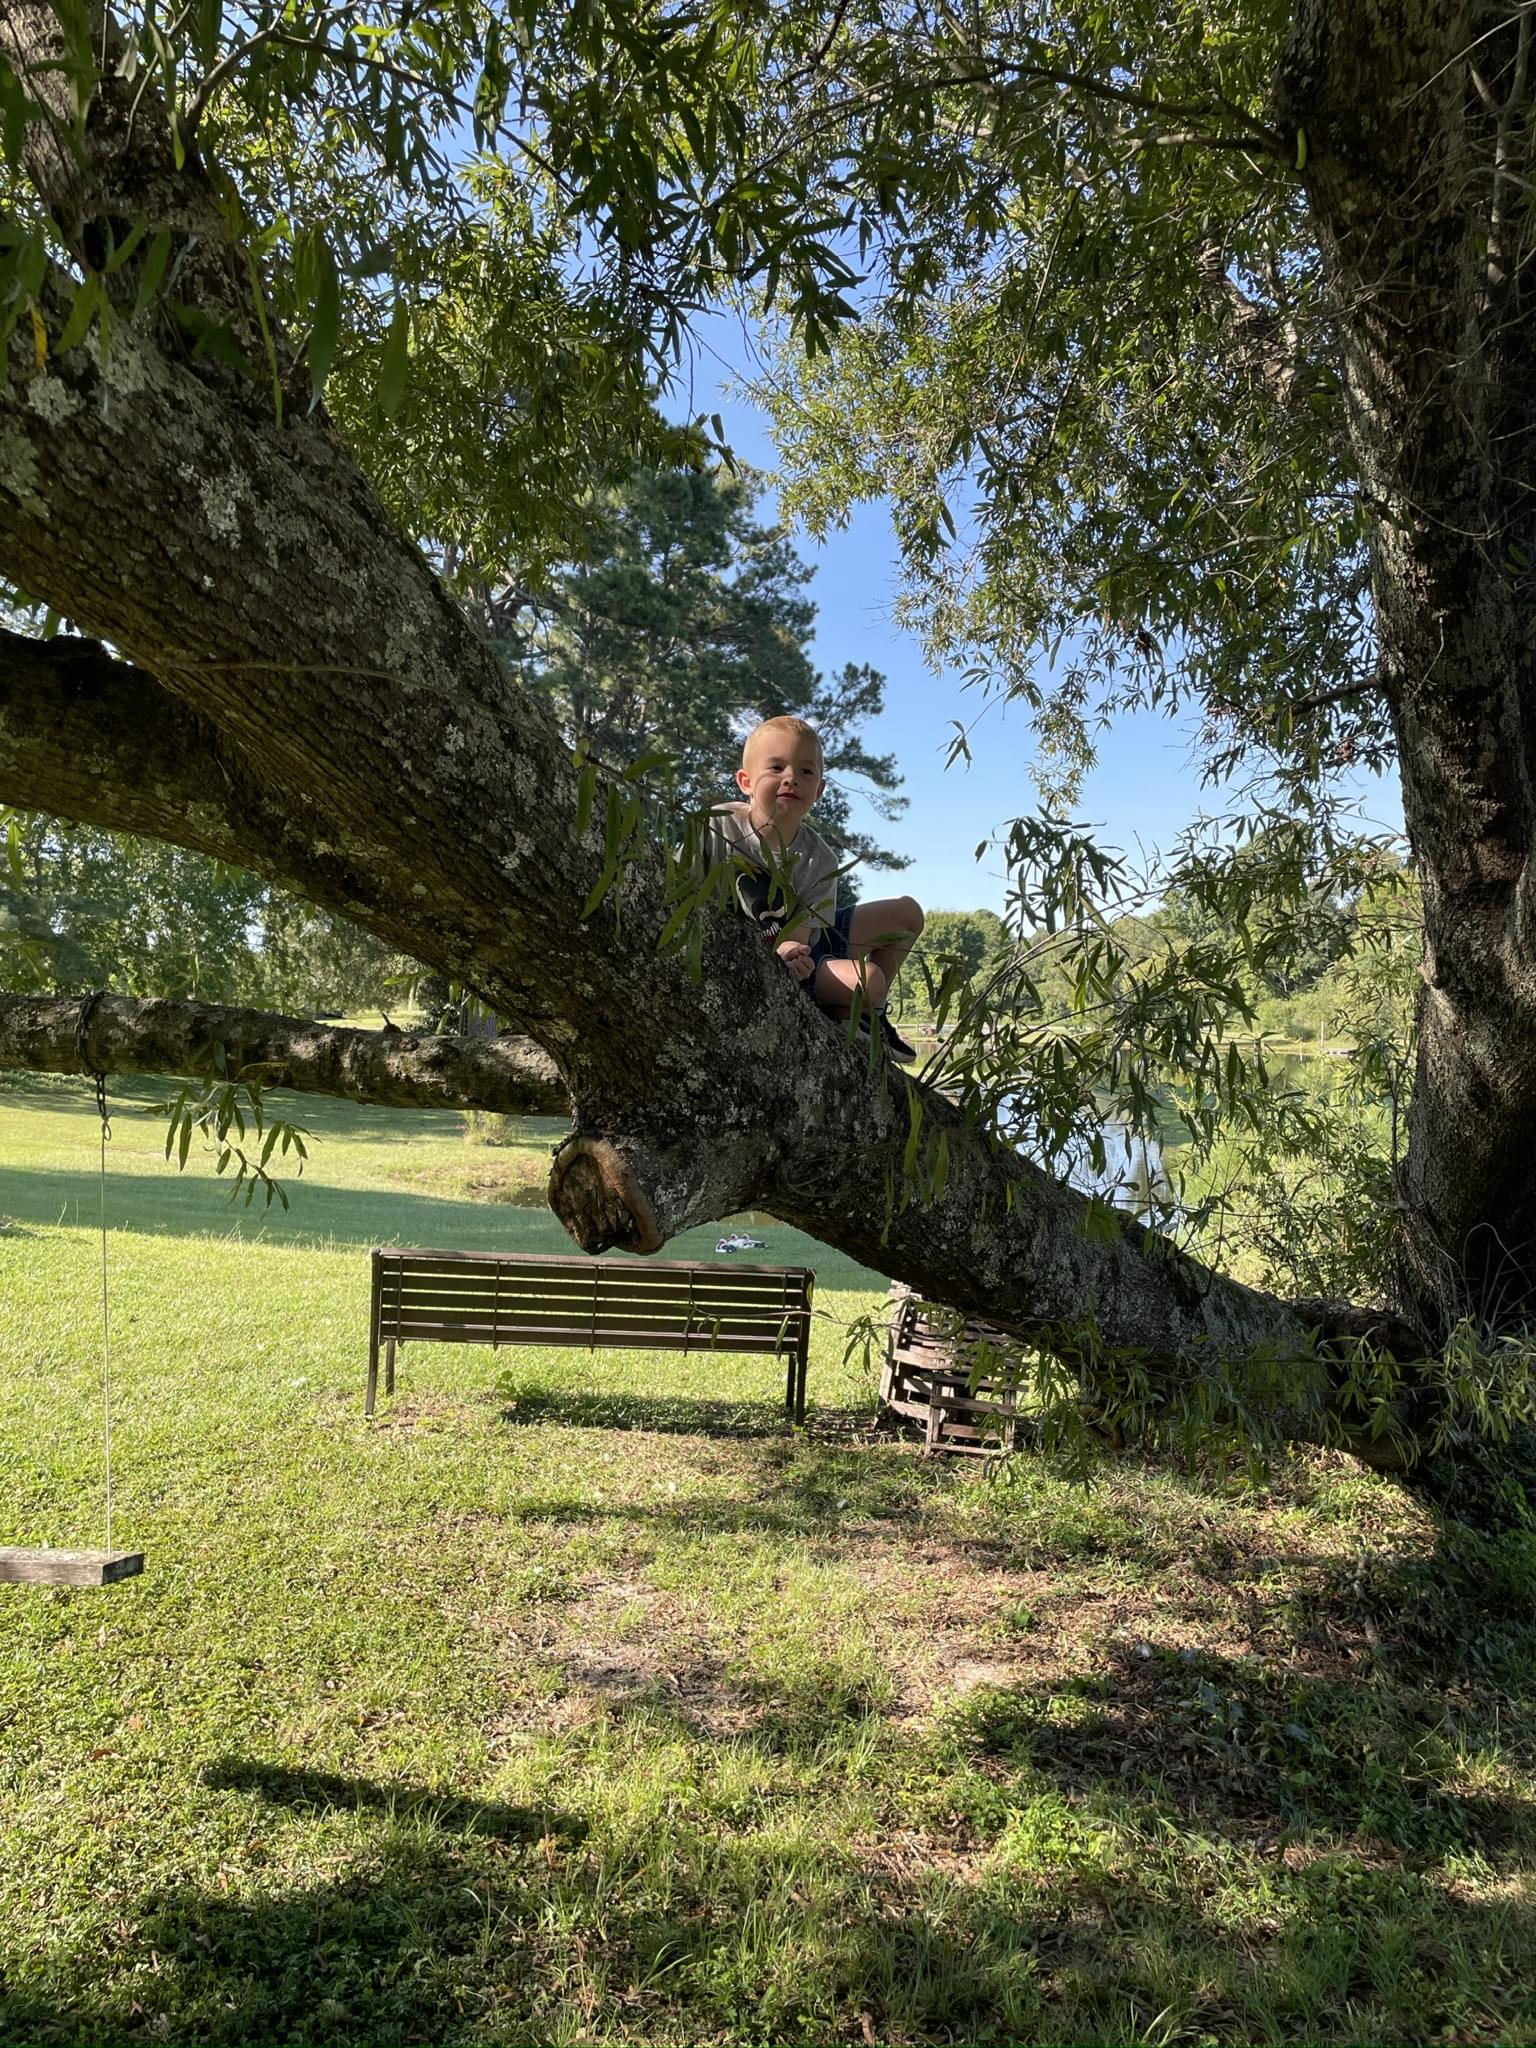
911,914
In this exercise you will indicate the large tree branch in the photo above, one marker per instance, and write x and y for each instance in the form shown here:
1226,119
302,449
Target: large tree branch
395,1069
1404,168
87,737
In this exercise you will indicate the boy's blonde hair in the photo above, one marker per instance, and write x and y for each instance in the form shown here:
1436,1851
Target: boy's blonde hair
786,721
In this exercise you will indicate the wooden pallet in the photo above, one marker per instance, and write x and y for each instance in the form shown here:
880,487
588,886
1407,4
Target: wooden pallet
930,1377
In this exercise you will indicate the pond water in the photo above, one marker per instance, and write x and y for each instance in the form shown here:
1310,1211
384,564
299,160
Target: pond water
1135,1176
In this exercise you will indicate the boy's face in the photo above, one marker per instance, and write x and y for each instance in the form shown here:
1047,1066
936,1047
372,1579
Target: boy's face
781,778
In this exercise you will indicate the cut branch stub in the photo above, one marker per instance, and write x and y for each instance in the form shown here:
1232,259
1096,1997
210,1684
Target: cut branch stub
594,1192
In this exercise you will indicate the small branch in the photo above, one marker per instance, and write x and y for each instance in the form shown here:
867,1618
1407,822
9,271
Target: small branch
1321,700
1259,135
393,1069
830,38
1503,175
1264,342
228,63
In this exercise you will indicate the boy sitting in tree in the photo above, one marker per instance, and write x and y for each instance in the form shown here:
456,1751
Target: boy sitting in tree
839,957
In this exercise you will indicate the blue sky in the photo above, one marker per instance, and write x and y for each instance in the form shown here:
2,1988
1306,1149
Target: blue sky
1146,786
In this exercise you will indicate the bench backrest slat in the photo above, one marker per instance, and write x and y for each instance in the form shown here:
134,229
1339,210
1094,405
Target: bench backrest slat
568,1262
582,1287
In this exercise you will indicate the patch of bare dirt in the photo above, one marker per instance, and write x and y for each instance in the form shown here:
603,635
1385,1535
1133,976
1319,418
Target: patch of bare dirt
1178,1671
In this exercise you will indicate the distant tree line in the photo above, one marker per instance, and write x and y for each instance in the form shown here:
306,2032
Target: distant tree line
1337,965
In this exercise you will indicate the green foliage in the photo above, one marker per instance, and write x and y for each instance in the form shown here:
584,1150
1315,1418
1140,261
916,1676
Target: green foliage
1089,370
82,908
313,960
227,1112
685,624
953,947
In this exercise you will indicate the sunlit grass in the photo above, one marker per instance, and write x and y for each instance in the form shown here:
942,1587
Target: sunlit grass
577,1701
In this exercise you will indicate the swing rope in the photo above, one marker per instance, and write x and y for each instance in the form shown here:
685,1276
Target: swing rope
106,1337
87,1009
23,1565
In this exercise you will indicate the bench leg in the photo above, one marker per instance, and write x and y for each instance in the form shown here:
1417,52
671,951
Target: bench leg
795,1387
389,1366
373,1373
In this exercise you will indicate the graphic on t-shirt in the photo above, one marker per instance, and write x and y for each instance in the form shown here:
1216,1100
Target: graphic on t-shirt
760,898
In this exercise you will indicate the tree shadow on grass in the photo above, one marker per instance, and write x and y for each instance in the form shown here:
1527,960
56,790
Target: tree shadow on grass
1177,1846
316,1792
152,1198
529,1405
1250,1753
1055,1936
142,1098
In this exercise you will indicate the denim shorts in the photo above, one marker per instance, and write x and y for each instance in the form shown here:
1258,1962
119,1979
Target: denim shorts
830,943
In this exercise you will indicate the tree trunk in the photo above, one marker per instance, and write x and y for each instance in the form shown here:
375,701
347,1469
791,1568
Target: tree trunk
1417,119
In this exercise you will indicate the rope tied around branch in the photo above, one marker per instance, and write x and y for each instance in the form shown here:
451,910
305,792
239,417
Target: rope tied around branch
88,1006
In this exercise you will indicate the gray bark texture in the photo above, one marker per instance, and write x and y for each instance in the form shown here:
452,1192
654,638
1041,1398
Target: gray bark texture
1417,118
109,1034
297,693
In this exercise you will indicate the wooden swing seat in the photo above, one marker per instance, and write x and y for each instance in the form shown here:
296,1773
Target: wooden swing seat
68,1567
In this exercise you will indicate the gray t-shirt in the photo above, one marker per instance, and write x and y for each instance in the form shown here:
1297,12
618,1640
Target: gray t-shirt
808,862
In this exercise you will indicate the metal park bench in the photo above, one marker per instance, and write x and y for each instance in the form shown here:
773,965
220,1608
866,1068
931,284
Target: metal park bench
497,1298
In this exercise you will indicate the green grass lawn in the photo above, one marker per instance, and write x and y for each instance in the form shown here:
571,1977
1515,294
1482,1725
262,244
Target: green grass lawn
576,1700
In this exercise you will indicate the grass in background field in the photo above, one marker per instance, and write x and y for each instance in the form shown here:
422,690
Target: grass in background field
575,1700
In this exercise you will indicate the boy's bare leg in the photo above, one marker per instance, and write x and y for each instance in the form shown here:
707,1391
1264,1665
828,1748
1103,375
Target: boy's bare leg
884,934
839,981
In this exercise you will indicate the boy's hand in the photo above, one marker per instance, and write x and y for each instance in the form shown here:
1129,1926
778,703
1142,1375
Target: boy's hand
796,955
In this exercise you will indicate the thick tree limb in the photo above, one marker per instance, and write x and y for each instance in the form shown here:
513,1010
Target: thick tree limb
97,741
394,1069
87,737
1403,169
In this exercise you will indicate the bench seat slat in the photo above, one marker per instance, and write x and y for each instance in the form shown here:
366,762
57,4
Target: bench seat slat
637,1336
584,1326
616,1340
